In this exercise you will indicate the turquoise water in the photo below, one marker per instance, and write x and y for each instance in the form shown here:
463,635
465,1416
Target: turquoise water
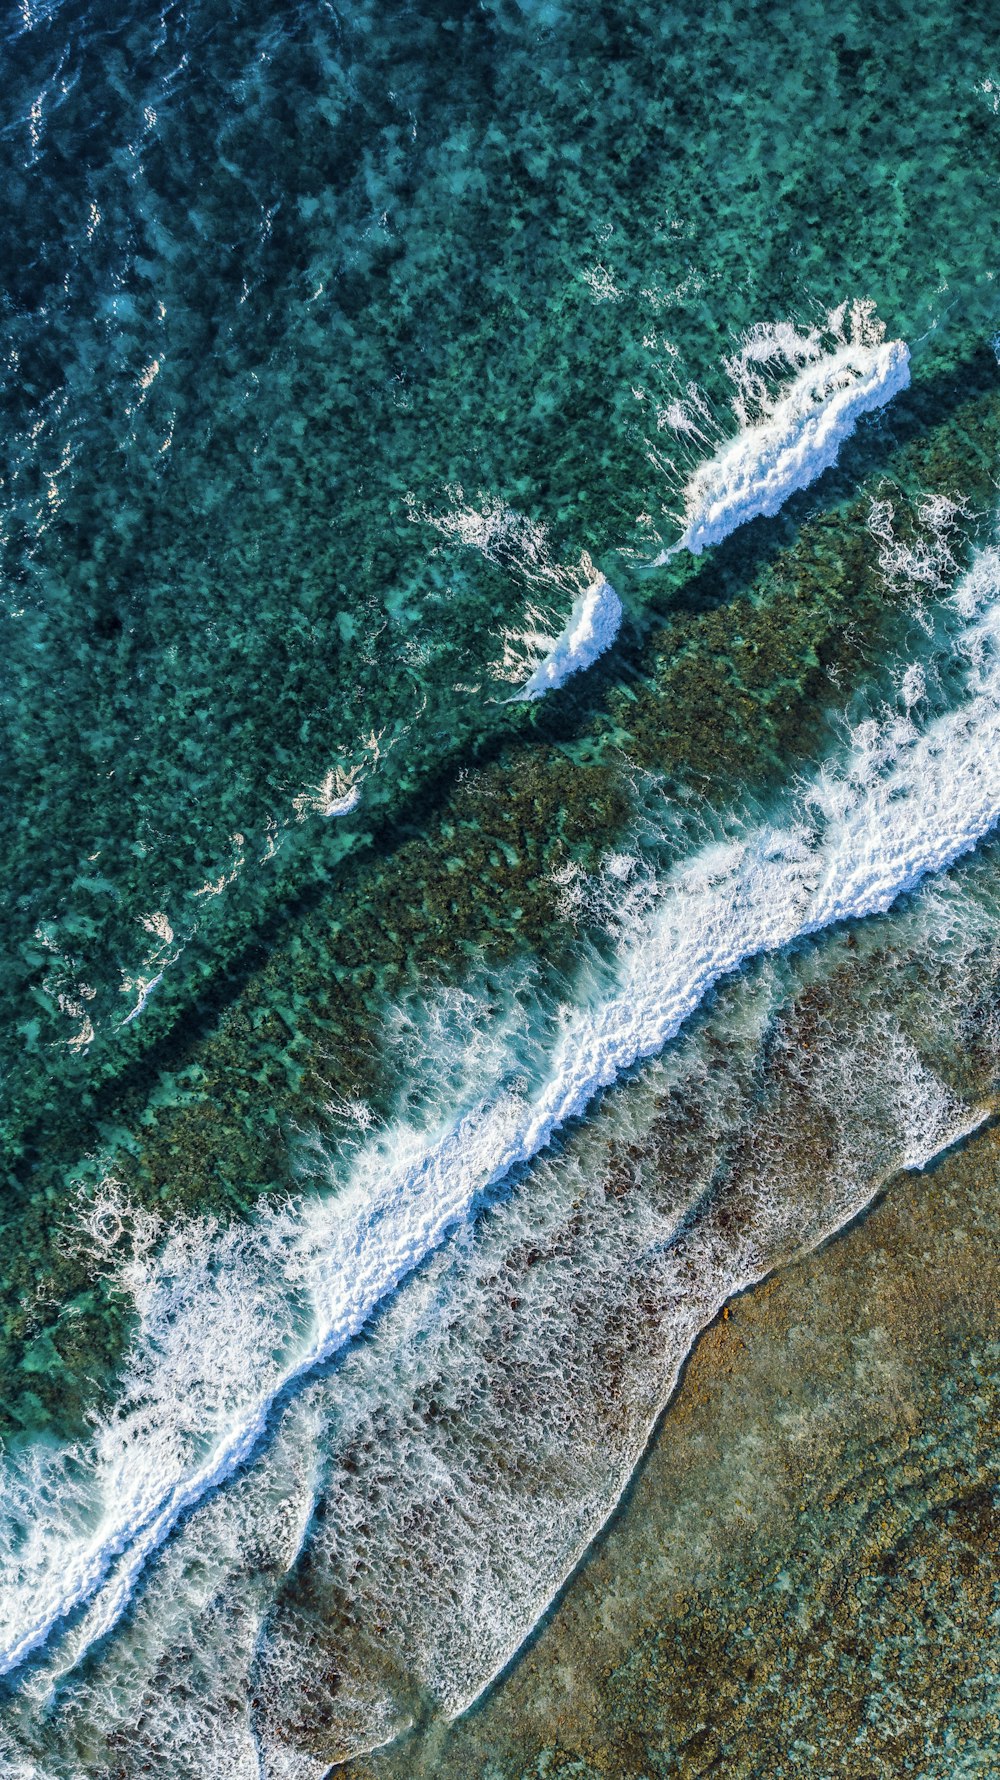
331,344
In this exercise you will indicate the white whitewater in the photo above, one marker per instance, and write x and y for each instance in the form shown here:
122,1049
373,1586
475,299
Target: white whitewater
591,628
207,1368
754,474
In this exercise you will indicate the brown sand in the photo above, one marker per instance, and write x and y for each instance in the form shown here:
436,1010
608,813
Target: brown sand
803,1577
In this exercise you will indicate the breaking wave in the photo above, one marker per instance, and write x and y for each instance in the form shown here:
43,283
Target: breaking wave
789,437
413,1511
228,1321
591,628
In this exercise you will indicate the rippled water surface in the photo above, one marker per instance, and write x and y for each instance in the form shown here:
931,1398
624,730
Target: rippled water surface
398,1073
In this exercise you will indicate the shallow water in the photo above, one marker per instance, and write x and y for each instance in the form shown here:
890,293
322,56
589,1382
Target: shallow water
802,1576
374,1038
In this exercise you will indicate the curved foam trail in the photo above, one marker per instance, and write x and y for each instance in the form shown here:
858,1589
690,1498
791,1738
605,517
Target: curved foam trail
902,804
754,475
144,996
592,627
342,806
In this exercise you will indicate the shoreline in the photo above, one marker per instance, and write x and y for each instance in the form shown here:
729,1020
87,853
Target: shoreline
813,1519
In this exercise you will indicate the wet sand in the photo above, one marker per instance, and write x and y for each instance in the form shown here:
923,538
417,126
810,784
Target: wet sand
802,1578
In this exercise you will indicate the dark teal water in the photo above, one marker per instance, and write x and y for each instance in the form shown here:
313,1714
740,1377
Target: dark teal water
331,341
263,283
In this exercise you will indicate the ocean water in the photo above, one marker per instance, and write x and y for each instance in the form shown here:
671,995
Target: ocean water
501,679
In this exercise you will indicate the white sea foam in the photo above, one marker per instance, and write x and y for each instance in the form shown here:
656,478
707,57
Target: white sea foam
519,545
337,794
926,563
479,1437
145,986
799,436
591,628
227,1321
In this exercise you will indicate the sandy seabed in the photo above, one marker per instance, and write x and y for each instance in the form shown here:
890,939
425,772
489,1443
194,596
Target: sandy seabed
803,1578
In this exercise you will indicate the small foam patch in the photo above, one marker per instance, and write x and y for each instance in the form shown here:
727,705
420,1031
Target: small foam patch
592,627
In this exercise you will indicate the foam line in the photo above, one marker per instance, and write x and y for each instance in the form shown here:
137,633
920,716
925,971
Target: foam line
592,627
144,996
901,803
342,806
754,474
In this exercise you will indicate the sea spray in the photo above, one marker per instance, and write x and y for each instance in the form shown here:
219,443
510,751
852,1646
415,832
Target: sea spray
798,430
521,547
591,628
